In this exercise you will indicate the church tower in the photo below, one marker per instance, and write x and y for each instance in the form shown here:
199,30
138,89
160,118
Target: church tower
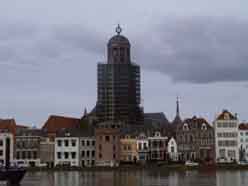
118,84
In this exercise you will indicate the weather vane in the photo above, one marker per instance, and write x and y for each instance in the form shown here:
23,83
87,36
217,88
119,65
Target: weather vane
118,29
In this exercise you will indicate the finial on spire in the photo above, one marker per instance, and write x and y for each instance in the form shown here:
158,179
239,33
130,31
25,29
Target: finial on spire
118,29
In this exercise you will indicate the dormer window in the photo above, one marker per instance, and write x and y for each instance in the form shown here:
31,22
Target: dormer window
204,127
157,134
185,126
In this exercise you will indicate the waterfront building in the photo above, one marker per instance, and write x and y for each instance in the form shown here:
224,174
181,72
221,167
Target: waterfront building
118,84
172,149
243,142
55,123
47,151
27,149
157,147
87,146
143,148
128,150
108,144
67,147
226,137
6,146
195,140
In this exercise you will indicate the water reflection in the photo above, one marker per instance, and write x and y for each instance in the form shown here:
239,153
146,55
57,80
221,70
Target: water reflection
137,178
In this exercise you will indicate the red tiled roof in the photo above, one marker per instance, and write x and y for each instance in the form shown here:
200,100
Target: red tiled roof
8,124
243,126
55,123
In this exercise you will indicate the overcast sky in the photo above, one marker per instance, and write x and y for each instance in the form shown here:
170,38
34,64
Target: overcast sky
194,49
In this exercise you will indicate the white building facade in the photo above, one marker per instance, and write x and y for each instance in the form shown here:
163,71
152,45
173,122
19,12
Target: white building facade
226,137
143,148
66,151
6,141
172,149
243,142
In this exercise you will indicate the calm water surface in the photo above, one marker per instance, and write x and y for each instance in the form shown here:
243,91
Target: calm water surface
137,178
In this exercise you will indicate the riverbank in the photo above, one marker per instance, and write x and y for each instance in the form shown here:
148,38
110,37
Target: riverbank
176,167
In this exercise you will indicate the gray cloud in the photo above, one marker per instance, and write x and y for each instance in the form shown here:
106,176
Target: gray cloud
197,49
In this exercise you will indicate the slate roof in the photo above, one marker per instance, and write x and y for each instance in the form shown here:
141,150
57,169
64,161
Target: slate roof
195,123
81,129
30,132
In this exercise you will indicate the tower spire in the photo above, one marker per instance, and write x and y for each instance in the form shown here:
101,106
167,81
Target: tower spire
178,111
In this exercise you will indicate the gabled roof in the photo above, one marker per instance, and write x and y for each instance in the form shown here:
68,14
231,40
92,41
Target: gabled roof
195,123
9,125
55,123
243,126
226,115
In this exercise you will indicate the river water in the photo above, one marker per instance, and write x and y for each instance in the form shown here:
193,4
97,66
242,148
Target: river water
137,178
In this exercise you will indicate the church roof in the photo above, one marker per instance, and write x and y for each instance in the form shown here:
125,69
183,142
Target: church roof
118,39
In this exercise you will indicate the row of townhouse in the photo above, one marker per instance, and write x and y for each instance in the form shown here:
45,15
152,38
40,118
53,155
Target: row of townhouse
75,142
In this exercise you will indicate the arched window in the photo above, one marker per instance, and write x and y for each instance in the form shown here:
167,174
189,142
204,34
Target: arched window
185,126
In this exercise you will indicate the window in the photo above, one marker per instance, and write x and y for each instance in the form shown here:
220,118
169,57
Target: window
82,154
66,155
1,142
34,155
73,143
23,155
140,146
59,155
241,133
113,147
88,143
59,143
114,156
100,155
107,139
222,153
1,152
82,143
66,143
88,153
73,155
93,153
93,142
172,149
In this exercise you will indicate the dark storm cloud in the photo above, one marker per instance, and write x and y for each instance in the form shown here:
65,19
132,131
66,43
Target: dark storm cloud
195,50
198,50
